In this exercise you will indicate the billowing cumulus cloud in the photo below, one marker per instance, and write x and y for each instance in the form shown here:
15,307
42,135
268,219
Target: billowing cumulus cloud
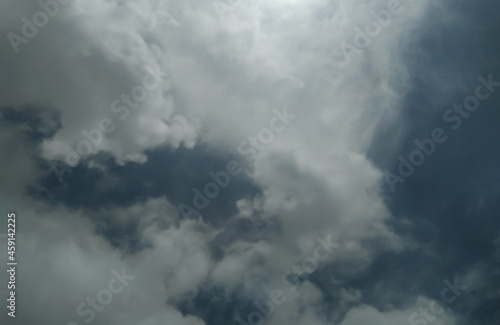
237,162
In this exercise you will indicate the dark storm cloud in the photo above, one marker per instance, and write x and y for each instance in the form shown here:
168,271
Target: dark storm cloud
225,78
168,173
250,230
452,200
42,123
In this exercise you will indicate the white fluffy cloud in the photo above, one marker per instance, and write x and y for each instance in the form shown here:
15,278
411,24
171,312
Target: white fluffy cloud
222,80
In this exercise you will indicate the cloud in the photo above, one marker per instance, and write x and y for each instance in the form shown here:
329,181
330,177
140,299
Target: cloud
221,82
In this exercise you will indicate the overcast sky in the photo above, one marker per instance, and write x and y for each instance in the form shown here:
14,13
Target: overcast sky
194,162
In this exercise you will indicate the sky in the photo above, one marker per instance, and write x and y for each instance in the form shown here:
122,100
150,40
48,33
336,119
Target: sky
322,162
